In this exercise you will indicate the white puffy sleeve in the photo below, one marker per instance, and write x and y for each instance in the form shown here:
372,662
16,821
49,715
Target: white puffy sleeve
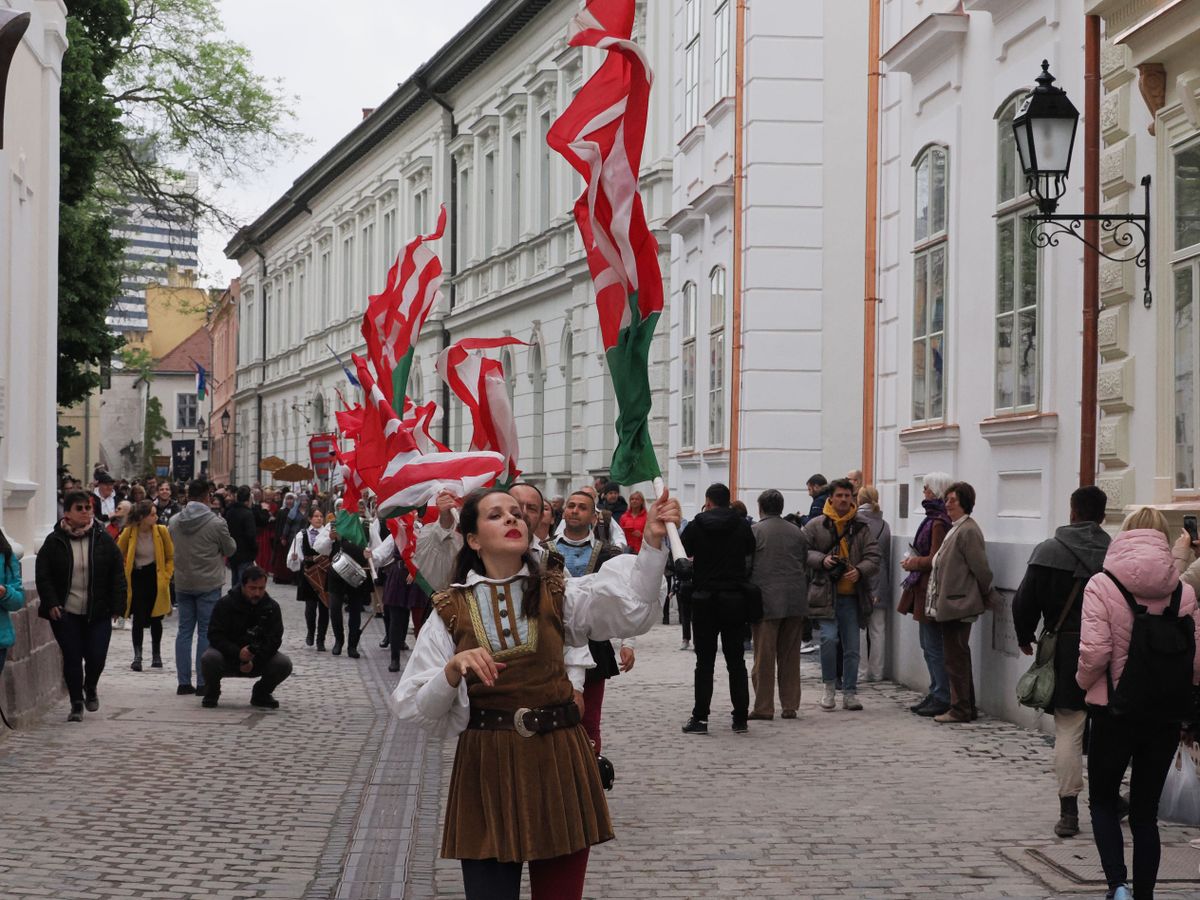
324,542
383,551
435,552
295,557
621,600
424,696
578,660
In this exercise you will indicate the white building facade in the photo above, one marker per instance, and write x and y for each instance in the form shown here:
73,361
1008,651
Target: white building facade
980,348
29,197
796,393
468,130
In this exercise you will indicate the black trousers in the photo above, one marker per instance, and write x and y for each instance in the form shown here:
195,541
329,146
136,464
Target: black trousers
354,603
316,617
270,674
1116,744
397,627
145,595
720,615
84,647
684,598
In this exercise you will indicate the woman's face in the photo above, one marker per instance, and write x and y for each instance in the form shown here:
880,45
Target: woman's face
929,494
953,509
500,528
317,519
150,520
636,503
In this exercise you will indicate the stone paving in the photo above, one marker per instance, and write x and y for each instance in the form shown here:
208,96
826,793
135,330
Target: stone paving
328,797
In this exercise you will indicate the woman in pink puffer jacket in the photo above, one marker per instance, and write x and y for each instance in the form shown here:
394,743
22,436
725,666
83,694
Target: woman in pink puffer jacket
1140,557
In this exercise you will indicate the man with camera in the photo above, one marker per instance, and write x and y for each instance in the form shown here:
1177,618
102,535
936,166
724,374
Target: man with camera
843,557
244,636
719,542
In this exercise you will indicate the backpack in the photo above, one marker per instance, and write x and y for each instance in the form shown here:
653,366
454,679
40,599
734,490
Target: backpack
1156,685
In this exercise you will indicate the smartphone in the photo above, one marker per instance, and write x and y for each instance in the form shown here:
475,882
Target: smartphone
1189,525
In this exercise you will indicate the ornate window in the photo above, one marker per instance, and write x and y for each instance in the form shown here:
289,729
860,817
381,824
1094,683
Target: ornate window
370,274
687,418
545,173
346,300
489,204
515,198
1186,283
929,286
716,357
1018,282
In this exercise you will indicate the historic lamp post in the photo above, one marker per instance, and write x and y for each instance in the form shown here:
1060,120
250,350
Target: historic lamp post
225,422
1044,128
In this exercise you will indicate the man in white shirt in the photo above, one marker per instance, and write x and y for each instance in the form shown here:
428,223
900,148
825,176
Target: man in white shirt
104,497
617,533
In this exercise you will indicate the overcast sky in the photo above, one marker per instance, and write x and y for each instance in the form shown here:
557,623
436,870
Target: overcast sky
335,59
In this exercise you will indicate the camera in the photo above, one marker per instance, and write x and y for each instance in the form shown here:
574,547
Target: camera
838,569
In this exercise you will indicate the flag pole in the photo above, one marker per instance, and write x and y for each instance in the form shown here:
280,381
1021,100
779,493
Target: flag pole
672,529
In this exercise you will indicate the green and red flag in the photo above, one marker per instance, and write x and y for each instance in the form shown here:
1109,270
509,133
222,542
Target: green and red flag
601,134
394,318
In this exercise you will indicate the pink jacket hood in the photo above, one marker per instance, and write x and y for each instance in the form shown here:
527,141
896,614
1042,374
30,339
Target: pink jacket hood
1141,560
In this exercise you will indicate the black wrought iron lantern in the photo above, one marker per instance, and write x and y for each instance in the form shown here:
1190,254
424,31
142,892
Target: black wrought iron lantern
1045,128
225,422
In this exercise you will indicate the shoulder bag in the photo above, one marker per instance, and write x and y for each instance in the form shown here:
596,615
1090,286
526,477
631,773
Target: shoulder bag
1035,688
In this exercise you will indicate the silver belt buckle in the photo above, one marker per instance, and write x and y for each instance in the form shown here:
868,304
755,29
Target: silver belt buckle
519,722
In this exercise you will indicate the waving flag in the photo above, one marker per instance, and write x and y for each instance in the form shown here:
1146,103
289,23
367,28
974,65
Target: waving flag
411,479
394,318
478,381
349,375
201,382
601,135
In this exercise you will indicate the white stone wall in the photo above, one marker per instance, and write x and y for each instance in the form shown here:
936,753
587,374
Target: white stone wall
29,278
531,282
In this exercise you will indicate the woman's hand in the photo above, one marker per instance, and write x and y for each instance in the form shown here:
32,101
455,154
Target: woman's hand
664,510
909,564
478,662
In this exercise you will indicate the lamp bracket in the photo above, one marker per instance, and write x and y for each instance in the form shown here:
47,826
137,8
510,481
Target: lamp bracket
1124,230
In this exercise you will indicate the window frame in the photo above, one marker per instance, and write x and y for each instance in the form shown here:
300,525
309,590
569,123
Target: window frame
687,397
1184,258
193,404
721,56
717,284
925,249
691,65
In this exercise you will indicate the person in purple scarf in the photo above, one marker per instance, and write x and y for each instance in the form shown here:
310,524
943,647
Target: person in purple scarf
918,563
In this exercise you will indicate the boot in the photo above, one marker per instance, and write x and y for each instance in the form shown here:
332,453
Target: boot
156,662
136,665
829,701
1068,822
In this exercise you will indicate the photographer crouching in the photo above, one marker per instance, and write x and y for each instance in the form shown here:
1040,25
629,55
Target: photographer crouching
244,636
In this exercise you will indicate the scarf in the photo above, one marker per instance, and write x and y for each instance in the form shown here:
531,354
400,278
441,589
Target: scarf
73,533
842,526
935,511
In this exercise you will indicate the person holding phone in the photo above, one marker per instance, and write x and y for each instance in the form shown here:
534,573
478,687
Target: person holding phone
1185,553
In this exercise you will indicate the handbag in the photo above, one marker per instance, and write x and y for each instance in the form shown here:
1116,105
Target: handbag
317,574
1035,688
1180,798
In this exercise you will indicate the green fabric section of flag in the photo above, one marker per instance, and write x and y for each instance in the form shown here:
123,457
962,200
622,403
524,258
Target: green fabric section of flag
400,379
424,585
634,460
350,528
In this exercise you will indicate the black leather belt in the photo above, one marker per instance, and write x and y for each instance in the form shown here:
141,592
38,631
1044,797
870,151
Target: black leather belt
526,722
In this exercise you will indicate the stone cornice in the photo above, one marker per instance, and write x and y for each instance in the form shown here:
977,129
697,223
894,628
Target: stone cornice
934,39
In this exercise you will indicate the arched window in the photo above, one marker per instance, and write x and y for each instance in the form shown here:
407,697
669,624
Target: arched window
716,357
687,417
510,374
1018,282
930,251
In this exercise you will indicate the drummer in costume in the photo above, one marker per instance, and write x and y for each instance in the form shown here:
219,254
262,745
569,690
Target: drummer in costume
584,553
301,556
489,668
343,594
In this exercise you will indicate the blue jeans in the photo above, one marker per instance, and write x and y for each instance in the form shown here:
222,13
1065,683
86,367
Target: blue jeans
195,609
237,570
935,661
845,625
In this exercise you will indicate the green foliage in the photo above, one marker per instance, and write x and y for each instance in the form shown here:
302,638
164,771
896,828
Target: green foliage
156,429
138,361
65,433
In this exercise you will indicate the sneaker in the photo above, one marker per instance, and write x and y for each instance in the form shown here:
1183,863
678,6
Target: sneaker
829,701
686,645
933,709
136,665
696,726
263,700
924,702
76,714
740,726
809,647
91,701
1120,892
184,689
850,701
210,700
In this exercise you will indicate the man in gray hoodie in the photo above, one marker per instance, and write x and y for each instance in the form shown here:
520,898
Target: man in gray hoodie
202,542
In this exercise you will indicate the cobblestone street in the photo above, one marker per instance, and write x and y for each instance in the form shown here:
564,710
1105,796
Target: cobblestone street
155,797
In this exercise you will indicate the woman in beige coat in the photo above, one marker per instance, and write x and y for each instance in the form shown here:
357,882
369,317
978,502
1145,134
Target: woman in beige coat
149,564
960,589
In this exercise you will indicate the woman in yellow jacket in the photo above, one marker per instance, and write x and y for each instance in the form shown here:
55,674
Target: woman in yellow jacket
149,565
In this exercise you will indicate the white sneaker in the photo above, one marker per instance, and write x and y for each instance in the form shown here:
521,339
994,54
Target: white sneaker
850,701
686,645
829,701
808,647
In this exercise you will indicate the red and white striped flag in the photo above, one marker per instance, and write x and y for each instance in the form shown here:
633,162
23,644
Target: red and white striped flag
394,318
601,135
478,381
411,479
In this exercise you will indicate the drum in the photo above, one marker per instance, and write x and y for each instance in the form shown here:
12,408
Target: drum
348,570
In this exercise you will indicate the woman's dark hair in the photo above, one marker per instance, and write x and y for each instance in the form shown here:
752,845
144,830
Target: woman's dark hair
468,560
140,510
965,494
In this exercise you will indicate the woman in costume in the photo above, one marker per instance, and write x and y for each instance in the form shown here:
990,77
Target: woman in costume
488,667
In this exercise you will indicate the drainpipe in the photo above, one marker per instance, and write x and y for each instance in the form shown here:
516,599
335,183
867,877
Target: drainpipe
258,425
739,196
1091,259
871,247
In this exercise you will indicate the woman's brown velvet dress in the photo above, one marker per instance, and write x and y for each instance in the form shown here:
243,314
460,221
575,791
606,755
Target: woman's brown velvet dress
513,798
